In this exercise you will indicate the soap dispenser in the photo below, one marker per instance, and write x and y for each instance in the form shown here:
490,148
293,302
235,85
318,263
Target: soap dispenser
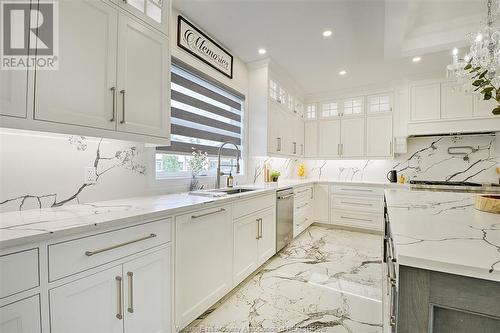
230,180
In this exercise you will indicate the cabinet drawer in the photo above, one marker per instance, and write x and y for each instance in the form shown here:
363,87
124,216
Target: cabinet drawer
357,190
365,204
358,220
19,272
303,192
249,206
77,255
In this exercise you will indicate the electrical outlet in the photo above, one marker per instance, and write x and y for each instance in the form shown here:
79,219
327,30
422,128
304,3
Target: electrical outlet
90,175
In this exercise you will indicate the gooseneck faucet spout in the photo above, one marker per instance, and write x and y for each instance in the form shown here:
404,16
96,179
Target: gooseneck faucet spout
219,173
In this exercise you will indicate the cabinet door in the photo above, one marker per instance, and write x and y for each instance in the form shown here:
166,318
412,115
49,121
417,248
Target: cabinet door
203,265
379,136
484,108
21,317
246,234
274,140
455,103
329,138
425,102
79,93
143,80
267,240
321,203
311,138
13,86
147,296
90,304
299,136
353,137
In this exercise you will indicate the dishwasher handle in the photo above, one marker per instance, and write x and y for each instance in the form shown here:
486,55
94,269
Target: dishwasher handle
286,196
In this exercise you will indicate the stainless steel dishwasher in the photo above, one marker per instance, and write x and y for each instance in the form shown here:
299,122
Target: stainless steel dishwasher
284,218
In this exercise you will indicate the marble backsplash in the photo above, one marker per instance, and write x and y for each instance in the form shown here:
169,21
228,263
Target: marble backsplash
427,159
47,170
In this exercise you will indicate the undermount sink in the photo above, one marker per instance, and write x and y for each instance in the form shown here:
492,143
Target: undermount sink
222,192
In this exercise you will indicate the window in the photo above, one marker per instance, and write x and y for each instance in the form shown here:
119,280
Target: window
329,110
273,90
353,106
203,116
379,104
311,111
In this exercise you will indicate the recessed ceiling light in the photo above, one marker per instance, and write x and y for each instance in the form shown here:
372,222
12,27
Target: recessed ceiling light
262,51
416,59
342,72
327,33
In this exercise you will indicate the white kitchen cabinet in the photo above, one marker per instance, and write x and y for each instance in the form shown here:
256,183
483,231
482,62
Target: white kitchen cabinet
297,136
22,316
353,137
483,108
310,138
455,103
425,102
267,240
353,107
246,235
90,304
80,91
13,85
254,242
153,12
377,104
147,293
203,265
321,203
143,80
329,138
379,139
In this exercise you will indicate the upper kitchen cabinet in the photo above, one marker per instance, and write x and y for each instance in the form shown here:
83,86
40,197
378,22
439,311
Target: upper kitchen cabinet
379,136
310,139
153,12
143,80
276,112
425,102
377,104
329,144
454,102
112,81
352,137
352,107
13,85
438,106
83,91
330,109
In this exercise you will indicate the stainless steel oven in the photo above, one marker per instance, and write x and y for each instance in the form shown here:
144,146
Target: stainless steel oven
284,218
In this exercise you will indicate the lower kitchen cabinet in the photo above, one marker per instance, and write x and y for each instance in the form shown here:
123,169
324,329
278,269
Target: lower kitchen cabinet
132,297
203,265
321,203
254,242
438,302
22,316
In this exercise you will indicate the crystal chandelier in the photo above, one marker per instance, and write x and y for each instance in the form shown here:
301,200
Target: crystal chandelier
484,52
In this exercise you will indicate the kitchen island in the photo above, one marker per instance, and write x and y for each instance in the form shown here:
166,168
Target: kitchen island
443,263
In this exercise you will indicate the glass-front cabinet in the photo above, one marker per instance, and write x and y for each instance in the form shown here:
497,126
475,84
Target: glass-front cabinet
378,104
353,106
153,12
330,109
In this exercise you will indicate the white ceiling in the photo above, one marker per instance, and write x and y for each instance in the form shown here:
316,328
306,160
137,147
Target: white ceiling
373,40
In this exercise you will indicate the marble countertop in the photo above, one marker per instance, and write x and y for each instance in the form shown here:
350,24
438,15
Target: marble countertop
21,227
442,231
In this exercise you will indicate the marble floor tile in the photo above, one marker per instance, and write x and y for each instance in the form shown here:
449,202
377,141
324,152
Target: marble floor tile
326,280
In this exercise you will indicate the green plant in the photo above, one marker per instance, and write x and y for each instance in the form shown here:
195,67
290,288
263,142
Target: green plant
482,83
198,162
275,174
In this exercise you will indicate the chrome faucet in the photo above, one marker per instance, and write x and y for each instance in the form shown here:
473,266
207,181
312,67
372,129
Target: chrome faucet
219,173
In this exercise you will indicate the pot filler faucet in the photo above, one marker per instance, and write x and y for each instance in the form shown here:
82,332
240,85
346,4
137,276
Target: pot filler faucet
220,173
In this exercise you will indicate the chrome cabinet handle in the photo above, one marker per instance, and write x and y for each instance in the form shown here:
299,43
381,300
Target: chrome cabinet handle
390,147
356,203
392,321
307,189
301,149
91,253
258,228
209,213
356,189
130,292
304,205
278,144
355,218
119,305
338,149
295,148
123,106
113,91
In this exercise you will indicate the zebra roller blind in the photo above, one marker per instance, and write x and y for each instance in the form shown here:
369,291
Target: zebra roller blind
203,115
